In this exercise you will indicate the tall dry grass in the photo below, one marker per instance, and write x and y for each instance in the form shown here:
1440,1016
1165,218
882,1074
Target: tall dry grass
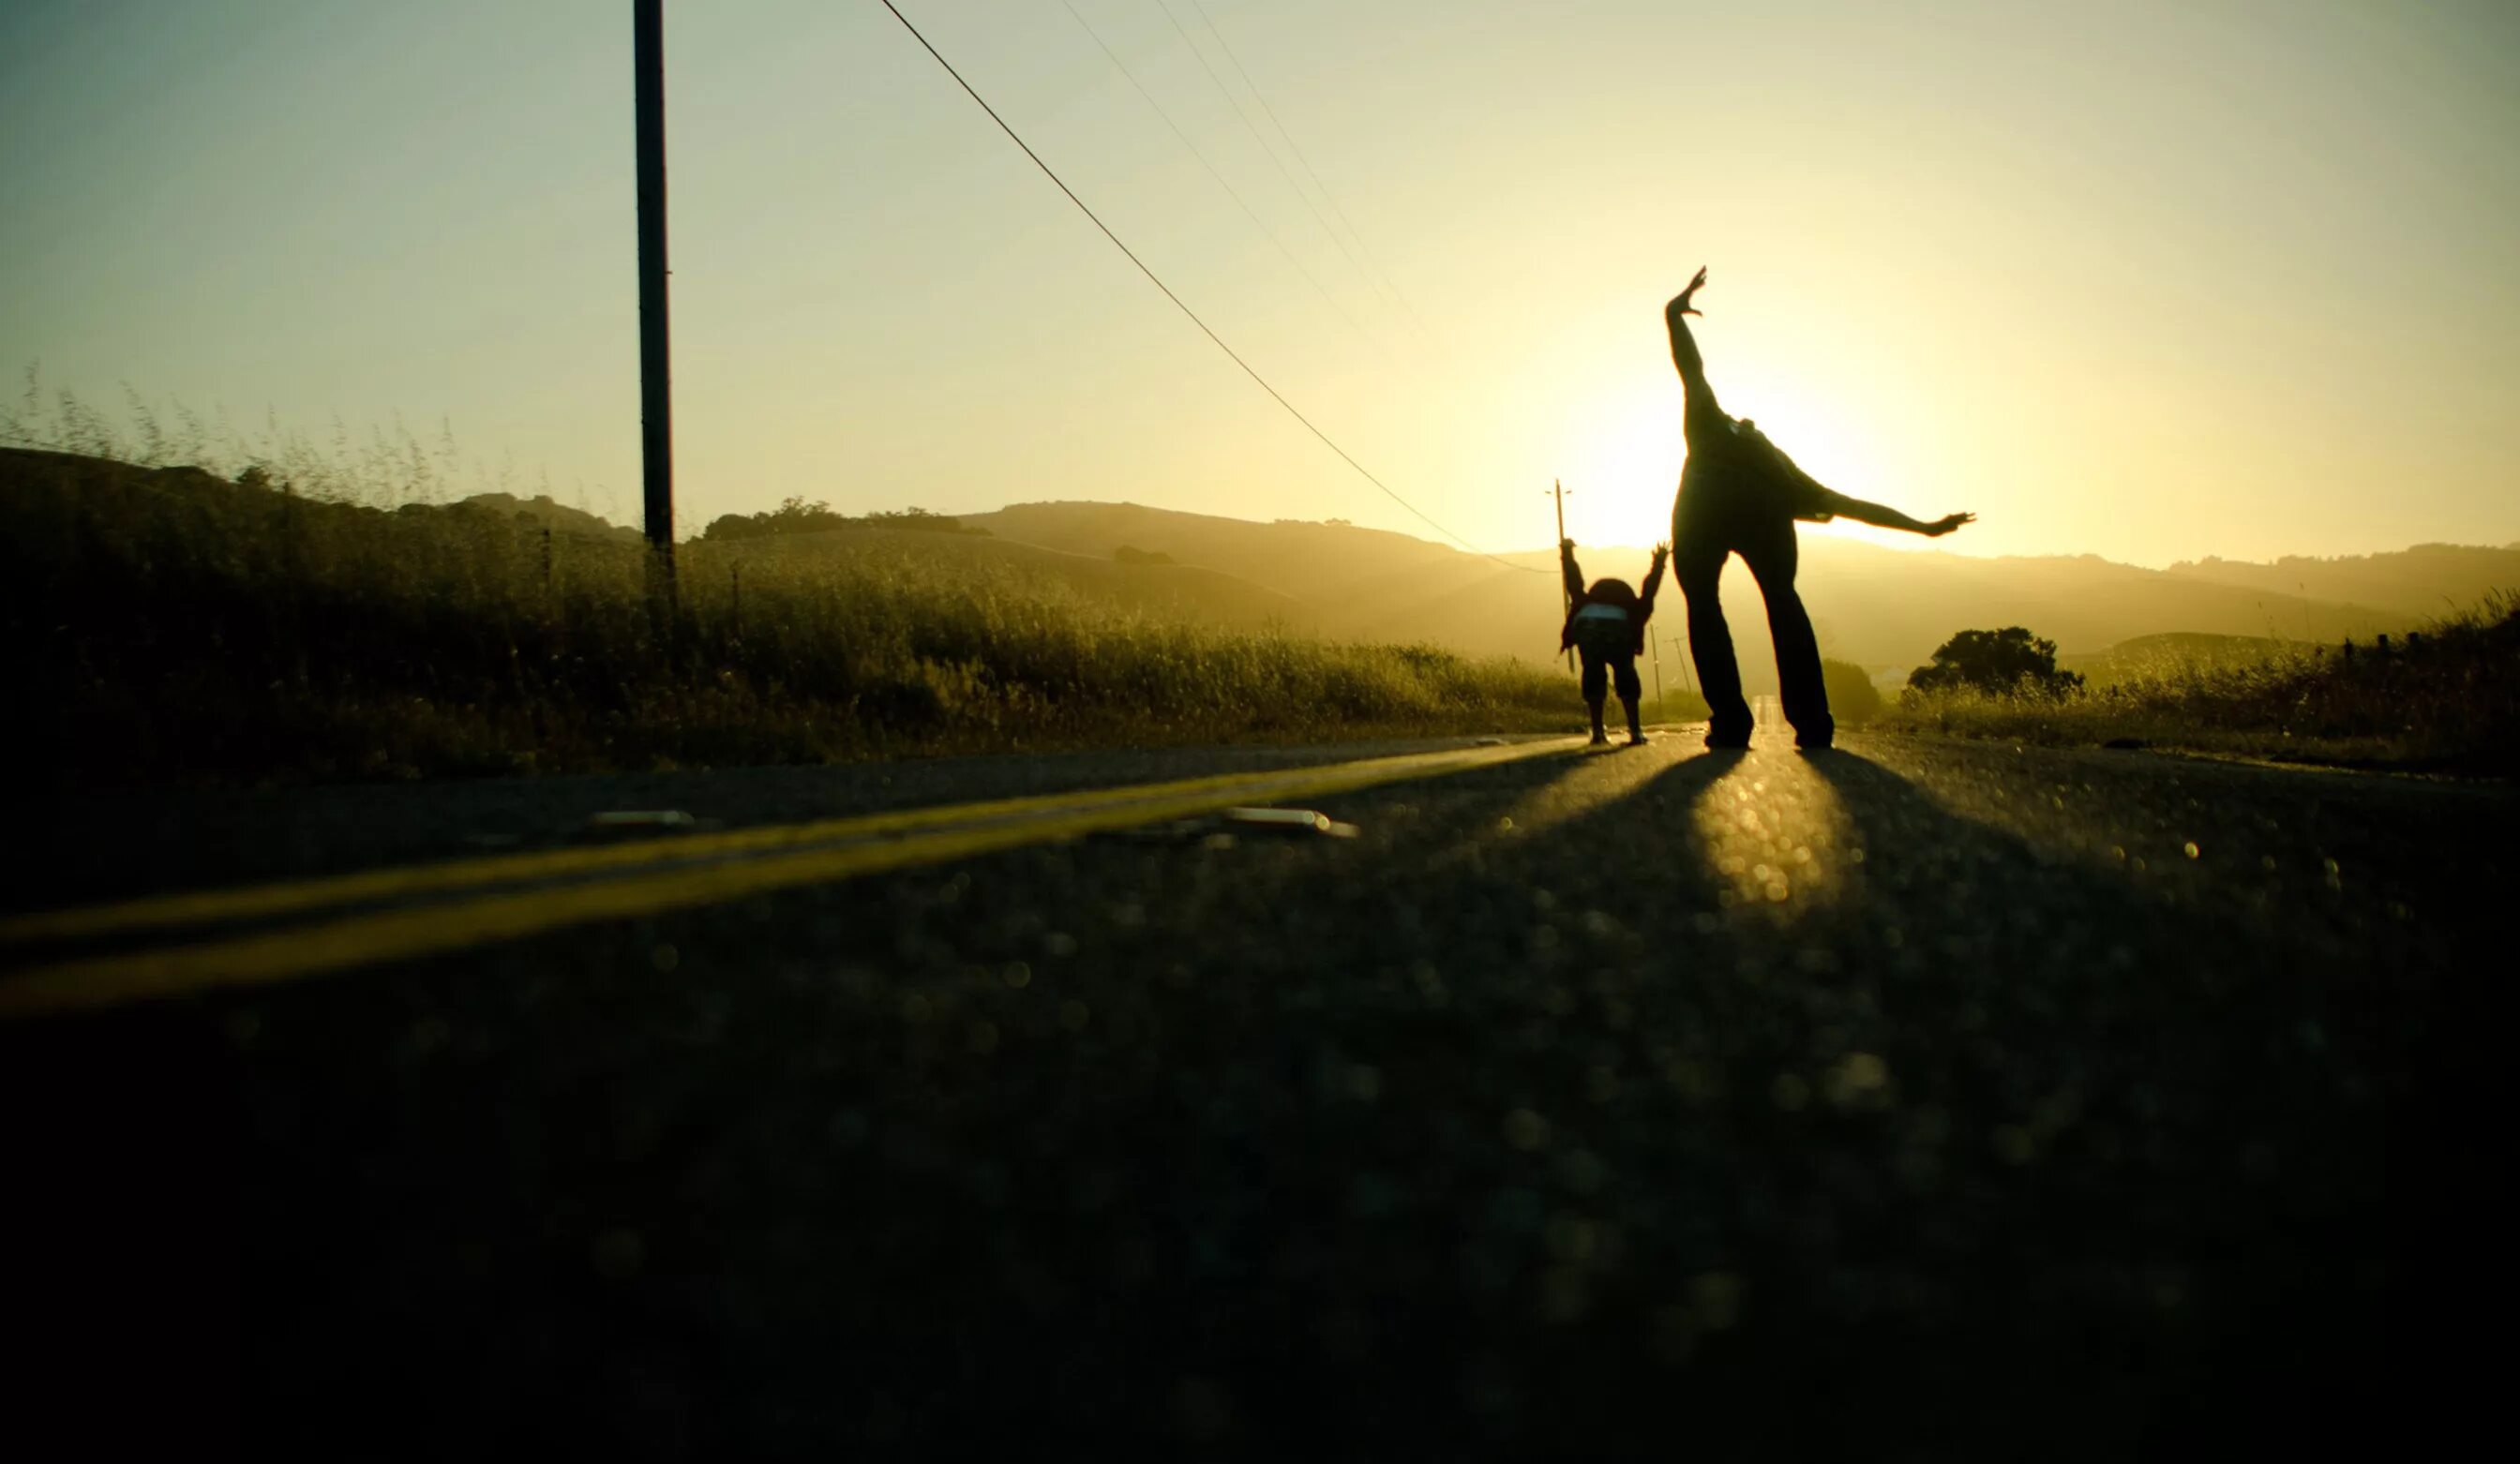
2446,696
177,624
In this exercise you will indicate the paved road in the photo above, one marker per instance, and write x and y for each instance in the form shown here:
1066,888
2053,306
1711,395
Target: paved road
1922,1100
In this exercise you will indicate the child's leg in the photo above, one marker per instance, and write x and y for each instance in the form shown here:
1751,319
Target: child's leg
1629,693
1597,678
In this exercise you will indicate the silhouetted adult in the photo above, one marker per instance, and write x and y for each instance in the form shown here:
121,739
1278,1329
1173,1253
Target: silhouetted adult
1740,494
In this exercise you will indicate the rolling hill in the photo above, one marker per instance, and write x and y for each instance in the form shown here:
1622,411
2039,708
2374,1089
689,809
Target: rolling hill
1883,608
2423,581
1187,592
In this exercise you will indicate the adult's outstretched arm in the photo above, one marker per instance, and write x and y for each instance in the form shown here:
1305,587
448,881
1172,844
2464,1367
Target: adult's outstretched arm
1886,517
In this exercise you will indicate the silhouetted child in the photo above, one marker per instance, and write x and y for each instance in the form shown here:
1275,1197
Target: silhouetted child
1606,628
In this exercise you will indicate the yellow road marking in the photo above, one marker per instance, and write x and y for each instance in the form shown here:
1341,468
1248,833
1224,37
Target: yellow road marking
294,897
746,862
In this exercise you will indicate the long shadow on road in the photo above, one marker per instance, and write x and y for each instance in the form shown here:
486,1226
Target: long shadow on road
1746,1102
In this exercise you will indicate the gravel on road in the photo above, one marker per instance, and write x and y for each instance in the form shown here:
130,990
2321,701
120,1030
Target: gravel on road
1920,1099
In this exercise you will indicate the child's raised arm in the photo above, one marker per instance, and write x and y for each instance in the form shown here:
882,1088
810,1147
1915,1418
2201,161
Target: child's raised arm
1653,582
1566,567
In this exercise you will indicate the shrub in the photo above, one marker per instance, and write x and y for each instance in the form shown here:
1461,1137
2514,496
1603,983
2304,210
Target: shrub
2010,660
2449,698
1853,699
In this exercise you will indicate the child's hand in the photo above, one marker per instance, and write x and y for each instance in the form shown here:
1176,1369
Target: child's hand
1662,551
1947,523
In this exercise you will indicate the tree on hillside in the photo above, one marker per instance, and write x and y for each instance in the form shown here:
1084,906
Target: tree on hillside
1853,699
918,518
794,515
2011,659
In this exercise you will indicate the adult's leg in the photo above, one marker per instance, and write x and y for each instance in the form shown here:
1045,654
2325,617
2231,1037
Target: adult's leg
1697,554
1597,677
1769,550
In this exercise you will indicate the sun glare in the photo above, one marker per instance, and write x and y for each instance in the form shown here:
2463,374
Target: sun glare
1624,464
1624,468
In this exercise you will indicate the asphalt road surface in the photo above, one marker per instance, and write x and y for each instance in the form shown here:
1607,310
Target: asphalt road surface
1917,1100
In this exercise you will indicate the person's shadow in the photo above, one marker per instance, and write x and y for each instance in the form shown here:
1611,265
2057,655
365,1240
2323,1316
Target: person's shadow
1990,1114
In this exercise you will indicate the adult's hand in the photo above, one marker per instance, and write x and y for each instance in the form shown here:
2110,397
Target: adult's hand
1680,303
1947,523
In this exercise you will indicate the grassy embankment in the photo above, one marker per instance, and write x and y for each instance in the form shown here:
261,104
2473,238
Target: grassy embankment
175,625
2445,698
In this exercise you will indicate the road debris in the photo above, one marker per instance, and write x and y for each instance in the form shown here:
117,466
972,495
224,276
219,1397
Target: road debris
639,823
1216,832
642,818
1290,820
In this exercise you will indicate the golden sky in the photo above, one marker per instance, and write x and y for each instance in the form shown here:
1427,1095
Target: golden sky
2146,280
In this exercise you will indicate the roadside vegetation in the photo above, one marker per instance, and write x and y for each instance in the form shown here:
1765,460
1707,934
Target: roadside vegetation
298,617
2445,696
1853,699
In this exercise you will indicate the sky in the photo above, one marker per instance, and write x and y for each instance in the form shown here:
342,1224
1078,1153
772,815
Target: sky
2148,280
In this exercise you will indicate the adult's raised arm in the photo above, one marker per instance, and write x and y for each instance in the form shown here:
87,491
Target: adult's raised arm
1684,349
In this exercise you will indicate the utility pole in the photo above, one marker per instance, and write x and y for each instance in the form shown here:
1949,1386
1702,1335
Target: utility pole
1565,600
656,383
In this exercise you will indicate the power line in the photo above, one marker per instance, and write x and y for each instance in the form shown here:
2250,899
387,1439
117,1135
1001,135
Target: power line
1242,112
1327,196
1177,304
1230,191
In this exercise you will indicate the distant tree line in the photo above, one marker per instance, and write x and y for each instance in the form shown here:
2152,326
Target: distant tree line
794,515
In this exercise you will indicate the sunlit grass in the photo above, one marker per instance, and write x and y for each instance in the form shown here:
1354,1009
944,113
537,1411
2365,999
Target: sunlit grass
2446,695
177,624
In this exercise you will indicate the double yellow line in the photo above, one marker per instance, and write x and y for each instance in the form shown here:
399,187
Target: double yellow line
310,926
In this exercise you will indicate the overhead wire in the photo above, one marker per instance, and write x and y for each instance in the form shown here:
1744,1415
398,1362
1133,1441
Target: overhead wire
1327,196
1229,190
1248,126
1179,305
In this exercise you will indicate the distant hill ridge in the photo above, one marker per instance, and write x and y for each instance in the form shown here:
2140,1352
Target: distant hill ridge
2423,580
1883,608
542,512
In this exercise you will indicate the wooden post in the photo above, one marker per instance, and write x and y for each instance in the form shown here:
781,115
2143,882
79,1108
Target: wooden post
656,386
1565,601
